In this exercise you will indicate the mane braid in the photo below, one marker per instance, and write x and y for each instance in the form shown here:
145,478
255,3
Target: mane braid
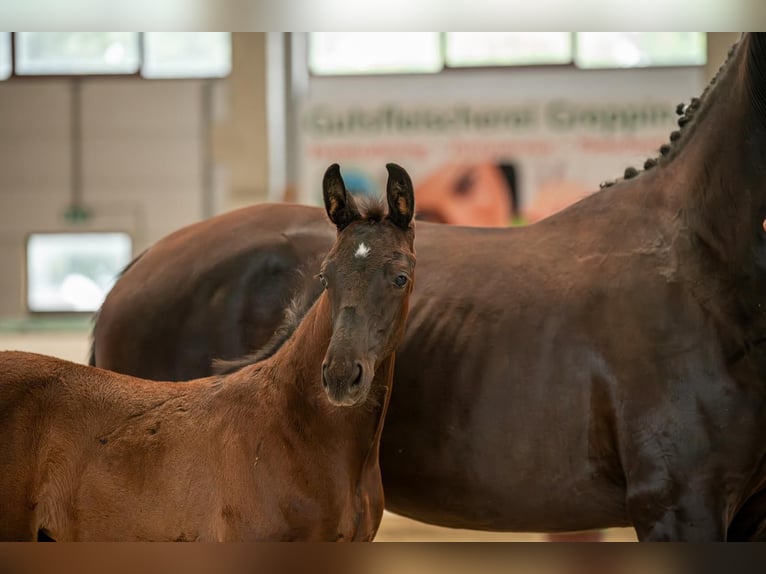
303,300
686,114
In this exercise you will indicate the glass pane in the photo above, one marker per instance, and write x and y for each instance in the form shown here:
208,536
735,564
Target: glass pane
5,55
186,54
640,49
73,271
42,53
374,52
508,48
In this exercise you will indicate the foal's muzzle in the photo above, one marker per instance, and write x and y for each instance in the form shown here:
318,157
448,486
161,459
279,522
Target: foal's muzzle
346,381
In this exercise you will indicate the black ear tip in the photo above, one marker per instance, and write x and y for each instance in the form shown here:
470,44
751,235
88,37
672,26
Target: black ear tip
395,170
334,169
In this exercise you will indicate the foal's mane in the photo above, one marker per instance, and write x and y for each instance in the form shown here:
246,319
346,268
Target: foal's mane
303,299
686,113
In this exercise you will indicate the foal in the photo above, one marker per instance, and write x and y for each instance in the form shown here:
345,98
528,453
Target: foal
281,449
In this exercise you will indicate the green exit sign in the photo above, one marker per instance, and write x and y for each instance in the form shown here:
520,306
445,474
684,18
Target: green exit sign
77,214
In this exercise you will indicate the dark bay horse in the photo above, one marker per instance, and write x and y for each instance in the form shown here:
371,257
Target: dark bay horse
282,449
602,367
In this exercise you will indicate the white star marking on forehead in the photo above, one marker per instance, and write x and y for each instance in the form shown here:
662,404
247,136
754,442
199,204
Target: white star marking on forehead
362,251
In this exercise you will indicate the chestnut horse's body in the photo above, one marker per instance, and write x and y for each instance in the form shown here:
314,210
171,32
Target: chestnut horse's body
603,367
263,453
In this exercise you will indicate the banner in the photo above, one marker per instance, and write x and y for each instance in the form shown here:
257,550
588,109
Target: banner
482,163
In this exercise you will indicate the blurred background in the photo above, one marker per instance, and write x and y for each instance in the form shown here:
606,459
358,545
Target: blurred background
111,140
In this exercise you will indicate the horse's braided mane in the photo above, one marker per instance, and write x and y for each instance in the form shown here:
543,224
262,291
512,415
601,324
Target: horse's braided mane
686,113
303,299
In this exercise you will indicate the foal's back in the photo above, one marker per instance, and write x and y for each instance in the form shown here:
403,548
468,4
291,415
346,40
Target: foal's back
115,448
90,454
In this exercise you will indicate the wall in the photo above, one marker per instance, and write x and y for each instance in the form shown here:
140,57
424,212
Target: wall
718,46
239,136
141,152
156,155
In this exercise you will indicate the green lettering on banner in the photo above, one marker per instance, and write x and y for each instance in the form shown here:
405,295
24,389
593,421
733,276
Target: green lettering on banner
322,121
629,117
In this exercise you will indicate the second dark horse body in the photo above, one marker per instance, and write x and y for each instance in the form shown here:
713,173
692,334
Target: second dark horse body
603,367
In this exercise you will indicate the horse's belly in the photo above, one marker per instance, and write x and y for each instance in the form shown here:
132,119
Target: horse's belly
519,504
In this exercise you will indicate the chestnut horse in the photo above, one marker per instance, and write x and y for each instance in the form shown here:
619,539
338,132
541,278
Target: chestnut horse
264,453
602,367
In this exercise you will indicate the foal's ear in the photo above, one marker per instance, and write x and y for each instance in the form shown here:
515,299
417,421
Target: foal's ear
401,198
339,203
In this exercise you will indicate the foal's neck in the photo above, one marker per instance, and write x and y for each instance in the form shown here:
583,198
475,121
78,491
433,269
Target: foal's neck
296,370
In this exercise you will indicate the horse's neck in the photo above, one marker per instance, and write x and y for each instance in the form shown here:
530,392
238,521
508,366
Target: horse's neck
718,171
296,371
298,363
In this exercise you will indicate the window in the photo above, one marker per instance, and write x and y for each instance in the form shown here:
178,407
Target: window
153,54
341,53
52,53
73,272
186,54
507,48
5,55
374,52
640,49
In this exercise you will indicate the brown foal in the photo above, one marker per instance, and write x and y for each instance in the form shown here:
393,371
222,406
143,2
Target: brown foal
284,448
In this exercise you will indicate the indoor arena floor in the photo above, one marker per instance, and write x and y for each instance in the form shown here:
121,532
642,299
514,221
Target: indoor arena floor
395,528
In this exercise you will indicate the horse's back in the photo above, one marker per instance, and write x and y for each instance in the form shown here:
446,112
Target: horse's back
67,428
213,290
34,388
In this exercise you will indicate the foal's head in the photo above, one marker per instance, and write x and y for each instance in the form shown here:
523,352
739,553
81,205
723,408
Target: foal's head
368,276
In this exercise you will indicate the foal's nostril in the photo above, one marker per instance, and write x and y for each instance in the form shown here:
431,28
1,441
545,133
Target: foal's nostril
324,378
358,378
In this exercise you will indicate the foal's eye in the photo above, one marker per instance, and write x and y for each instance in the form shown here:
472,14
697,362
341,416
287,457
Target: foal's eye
323,281
400,281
